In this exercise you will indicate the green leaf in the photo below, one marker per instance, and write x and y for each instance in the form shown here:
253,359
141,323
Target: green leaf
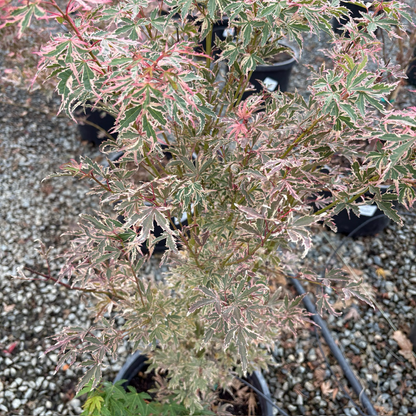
58,50
399,151
387,208
157,115
130,116
211,8
94,403
306,220
247,34
148,128
87,77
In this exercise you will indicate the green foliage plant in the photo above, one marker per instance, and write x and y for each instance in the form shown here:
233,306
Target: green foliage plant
110,399
243,171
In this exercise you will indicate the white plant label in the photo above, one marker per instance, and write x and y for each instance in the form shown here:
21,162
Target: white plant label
270,83
228,32
367,210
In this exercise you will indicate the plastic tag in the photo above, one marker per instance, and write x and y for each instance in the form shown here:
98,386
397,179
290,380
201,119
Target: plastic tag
270,83
228,32
367,210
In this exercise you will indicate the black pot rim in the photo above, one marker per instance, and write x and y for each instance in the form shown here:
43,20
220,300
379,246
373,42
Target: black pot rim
135,361
288,63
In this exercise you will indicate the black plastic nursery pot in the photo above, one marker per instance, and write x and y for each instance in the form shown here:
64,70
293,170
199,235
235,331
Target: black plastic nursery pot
221,31
100,118
137,363
354,11
274,76
411,70
347,223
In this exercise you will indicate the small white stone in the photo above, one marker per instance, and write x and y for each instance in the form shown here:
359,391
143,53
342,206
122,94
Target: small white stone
16,403
28,394
75,403
39,382
309,386
1,386
38,411
38,328
48,405
8,394
8,361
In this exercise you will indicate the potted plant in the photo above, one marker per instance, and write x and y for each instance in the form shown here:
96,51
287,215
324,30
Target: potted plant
243,176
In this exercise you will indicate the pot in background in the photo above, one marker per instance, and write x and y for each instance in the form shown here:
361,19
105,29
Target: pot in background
354,11
346,224
274,76
221,31
100,118
411,70
137,363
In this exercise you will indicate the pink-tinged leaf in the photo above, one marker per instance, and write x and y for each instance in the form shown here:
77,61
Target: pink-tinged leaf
199,304
305,221
208,292
300,236
90,4
323,305
250,212
11,347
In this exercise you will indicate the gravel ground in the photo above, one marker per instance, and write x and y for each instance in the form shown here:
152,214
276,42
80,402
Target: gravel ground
35,142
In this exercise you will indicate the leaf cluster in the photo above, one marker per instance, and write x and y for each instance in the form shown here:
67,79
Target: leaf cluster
113,400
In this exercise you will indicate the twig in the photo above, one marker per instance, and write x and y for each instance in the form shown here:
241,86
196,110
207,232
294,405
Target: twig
81,289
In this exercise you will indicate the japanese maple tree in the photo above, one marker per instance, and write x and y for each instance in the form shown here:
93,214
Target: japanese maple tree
245,172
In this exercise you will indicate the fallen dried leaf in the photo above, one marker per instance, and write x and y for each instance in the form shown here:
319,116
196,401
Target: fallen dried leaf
405,345
8,308
11,347
340,304
352,314
351,271
383,411
326,388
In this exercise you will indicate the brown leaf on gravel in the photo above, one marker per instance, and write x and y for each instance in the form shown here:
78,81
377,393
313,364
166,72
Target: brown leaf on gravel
319,375
383,273
340,304
8,308
351,271
405,345
352,314
326,388
382,411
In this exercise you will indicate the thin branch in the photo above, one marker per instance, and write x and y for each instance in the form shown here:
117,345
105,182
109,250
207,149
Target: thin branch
81,289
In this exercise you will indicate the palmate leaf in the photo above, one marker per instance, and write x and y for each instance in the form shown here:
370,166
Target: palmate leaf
387,208
323,305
